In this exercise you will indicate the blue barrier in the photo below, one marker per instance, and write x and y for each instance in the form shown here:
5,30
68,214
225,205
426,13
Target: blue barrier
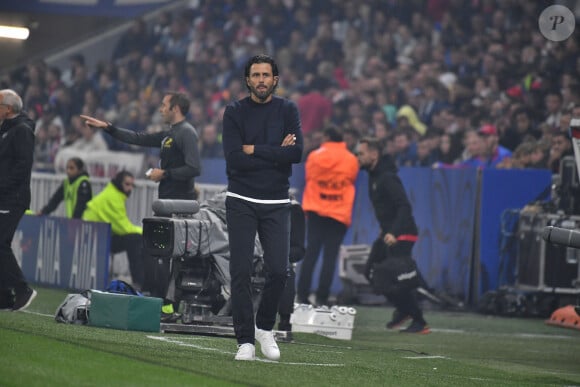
64,253
445,206
443,202
502,189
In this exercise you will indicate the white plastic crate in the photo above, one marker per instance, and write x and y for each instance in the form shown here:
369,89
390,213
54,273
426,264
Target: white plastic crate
336,322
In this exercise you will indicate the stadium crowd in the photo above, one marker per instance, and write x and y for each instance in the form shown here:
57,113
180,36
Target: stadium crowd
440,82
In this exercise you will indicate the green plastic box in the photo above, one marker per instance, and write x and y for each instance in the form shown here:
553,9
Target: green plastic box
125,312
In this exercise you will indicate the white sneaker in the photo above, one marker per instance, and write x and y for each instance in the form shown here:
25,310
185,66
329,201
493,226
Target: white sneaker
246,351
268,344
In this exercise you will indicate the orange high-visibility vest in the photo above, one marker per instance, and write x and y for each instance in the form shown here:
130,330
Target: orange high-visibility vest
331,172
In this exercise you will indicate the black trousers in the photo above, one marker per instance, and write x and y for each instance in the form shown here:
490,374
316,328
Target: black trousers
11,276
286,305
325,234
272,224
403,299
132,244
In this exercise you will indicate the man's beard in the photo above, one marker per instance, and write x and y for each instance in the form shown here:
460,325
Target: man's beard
262,94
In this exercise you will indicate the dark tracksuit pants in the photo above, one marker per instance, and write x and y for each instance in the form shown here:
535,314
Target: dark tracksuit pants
325,234
404,300
132,244
286,305
272,223
11,276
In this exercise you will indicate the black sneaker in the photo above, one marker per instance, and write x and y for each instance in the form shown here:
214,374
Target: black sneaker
417,327
22,299
397,320
169,318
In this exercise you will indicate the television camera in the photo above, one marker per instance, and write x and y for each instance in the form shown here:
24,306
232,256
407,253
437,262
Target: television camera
194,237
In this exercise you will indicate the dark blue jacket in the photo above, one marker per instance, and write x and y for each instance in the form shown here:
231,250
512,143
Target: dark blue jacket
264,174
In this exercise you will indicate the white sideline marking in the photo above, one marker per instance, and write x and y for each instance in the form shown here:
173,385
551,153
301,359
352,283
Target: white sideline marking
520,335
204,348
38,314
425,357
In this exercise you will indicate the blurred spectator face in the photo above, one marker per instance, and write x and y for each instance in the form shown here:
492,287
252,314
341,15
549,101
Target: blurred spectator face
537,155
403,123
491,142
381,131
423,149
210,134
351,140
475,144
565,121
522,122
560,144
401,142
553,103
445,143
54,132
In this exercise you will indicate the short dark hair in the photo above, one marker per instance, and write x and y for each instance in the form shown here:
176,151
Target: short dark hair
372,143
333,134
261,58
180,100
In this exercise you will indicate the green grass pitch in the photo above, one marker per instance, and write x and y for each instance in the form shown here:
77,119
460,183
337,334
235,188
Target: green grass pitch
464,349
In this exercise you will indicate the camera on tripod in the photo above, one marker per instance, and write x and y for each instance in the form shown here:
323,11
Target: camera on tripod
178,233
194,237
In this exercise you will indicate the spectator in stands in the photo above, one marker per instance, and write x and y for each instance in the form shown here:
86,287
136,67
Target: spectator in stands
475,154
315,107
561,147
425,155
109,206
553,109
211,147
431,102
520,130
88,138
75,191
330,174
351,137
136,40
495,153
16,157
389,265
449,149
405,147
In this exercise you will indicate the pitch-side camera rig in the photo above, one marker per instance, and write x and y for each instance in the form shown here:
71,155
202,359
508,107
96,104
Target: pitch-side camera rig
178,234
